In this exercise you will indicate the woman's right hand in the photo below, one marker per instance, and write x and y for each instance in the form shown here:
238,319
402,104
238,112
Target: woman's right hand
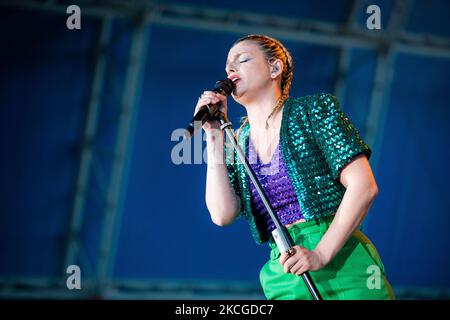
211,97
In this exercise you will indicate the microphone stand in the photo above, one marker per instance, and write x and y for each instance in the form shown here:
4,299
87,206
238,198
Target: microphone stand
280,234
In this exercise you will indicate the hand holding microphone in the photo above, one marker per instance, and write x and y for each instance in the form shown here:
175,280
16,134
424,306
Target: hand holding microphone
209,103
210,98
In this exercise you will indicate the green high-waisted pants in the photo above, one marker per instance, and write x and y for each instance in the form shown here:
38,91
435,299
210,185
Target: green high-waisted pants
356,272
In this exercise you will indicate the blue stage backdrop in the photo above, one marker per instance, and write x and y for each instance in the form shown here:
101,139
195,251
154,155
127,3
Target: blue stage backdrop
163,230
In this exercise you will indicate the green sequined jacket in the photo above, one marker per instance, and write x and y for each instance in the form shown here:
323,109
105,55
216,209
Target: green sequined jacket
317,141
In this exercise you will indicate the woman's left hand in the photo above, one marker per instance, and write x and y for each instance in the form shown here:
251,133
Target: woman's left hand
303,260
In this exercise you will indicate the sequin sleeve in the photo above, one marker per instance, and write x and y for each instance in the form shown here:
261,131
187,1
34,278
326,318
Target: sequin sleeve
336,136
230,162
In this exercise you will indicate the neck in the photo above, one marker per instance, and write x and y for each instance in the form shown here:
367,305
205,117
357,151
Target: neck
259,108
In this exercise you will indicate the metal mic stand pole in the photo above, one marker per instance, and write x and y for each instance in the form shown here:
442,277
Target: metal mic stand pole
281,236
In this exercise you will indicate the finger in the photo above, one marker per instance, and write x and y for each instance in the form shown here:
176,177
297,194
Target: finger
302,261
213,93
288,267
211,99
283,258
289,264
297,266
301,251
302,270
306,266
205,101
210,94
221,97
201,103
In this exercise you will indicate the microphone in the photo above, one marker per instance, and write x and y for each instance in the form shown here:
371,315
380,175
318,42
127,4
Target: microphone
205,113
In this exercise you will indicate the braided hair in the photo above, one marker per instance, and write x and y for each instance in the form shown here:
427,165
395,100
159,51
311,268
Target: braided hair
273,49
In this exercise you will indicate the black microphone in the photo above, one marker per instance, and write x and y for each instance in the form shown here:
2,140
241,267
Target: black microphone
224,87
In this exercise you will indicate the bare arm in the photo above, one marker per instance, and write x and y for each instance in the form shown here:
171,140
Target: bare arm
361,190
361,187
221,200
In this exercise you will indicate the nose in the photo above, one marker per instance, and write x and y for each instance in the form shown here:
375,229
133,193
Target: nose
231,68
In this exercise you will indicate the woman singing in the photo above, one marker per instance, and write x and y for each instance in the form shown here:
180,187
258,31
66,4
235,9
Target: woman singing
313,166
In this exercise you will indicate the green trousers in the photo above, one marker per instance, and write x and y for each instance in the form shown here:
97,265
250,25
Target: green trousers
356,272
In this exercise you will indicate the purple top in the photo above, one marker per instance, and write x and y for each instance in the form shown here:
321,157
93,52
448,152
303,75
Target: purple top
278,188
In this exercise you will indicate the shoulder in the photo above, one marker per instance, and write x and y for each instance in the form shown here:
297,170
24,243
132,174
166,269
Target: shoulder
313,103
326,99
312,99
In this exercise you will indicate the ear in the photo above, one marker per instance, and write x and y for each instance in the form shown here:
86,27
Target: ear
276,68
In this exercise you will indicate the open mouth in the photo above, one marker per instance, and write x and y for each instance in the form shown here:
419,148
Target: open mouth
235,78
